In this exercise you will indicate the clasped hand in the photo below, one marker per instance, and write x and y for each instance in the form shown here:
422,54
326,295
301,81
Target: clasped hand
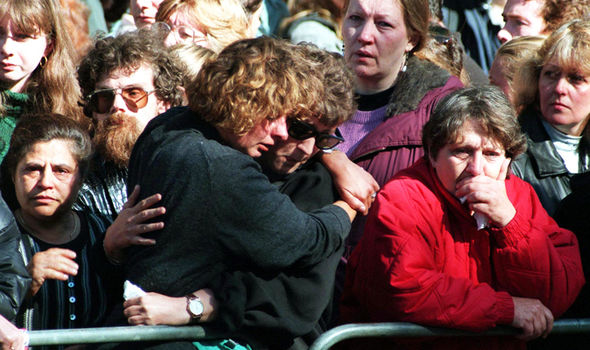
488,196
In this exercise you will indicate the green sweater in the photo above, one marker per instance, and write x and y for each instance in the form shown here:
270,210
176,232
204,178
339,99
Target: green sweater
14,104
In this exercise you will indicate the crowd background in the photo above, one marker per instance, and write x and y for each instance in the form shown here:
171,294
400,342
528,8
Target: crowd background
129,129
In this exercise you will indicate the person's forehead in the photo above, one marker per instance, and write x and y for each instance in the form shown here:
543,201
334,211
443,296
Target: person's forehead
473,134
183,18
122,77
141,3
522,8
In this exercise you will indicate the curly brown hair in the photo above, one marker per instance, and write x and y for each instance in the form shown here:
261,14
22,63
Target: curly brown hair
253,80
129,51
557,12
337,104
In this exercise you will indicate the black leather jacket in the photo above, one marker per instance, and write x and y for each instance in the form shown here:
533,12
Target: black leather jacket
541,165
104,190
14,278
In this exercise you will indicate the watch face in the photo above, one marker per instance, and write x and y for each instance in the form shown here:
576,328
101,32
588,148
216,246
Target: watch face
196,307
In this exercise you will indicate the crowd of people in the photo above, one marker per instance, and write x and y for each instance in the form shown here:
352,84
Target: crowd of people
271,169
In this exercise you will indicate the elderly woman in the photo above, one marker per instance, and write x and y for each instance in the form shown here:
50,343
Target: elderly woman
454,241
47,161
555,88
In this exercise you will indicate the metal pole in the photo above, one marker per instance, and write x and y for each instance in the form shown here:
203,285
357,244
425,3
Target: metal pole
115,334
403,329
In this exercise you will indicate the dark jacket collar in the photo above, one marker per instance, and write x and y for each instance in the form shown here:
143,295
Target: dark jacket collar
413,84
542,152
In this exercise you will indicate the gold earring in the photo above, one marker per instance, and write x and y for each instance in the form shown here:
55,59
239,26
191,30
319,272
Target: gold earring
43,61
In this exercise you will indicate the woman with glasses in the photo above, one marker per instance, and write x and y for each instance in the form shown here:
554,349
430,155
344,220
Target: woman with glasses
36,64
210,23
47,161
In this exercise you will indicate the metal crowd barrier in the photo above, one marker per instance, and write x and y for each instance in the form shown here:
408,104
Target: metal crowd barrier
403,329
325,341
116,335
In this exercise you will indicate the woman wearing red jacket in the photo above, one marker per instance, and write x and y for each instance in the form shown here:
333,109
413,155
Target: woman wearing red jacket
453,241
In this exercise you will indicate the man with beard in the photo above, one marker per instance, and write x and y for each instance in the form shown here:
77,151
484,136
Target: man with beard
126,81
223,215
292,166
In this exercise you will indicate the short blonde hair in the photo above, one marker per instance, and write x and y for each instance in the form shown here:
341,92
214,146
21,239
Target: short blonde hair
224,21
191,58
513,54
569,45
254,80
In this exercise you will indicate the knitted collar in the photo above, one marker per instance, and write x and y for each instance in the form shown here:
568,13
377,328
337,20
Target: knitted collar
13,101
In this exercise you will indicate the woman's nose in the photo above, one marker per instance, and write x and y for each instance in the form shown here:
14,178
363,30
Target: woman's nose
475,165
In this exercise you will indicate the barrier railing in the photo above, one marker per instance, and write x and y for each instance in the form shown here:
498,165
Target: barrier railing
116,334
325,341
402,329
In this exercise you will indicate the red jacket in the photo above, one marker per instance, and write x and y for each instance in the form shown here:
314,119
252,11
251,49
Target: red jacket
422,259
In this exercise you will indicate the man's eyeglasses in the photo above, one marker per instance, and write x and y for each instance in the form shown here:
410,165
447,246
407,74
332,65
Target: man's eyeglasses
102,100
301,130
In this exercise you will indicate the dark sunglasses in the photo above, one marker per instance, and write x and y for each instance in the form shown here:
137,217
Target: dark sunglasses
101,101
300,130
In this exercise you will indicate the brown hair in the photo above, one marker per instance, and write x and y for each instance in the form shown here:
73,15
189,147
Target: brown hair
337,104
486,105
75,14
253,80
51,88
129,51
512,54
35,128
557,12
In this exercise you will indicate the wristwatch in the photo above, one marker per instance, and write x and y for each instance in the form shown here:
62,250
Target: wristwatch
194,307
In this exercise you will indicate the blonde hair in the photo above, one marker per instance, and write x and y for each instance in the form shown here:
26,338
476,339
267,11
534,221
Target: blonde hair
569,45
191,58
53,87
224,21
513,54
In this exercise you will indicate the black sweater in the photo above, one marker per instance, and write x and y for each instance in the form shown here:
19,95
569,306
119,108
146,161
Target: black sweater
222,213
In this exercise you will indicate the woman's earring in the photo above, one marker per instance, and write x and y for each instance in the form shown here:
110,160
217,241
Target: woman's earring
405,66
43,61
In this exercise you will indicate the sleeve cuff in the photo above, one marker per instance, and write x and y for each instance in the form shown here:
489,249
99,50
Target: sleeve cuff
505,308
511,234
